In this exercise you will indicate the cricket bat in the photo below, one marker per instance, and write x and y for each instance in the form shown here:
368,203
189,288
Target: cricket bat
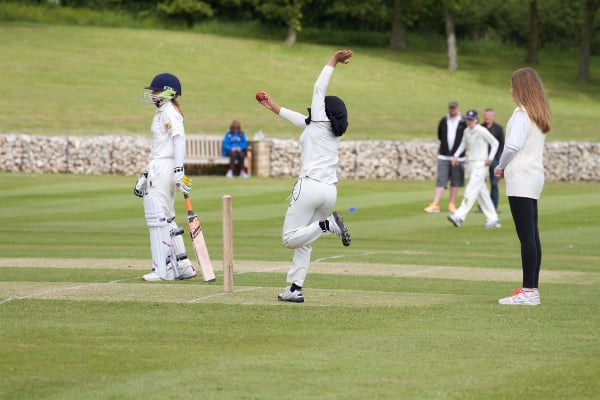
208,274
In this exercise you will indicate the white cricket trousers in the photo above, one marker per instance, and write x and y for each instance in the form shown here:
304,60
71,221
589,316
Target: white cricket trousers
161,185
310,202
477,190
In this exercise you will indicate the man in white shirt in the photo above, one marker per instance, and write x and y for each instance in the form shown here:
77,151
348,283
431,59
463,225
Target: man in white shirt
481,148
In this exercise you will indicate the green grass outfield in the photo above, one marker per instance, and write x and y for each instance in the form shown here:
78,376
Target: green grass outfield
408,311
76,80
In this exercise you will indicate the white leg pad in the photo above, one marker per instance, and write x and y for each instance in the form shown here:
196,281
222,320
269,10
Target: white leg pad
160,237
184,267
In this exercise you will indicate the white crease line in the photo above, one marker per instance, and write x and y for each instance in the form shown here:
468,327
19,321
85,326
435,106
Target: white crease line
423,271
263,270
6,300
342,256
30,296
223,294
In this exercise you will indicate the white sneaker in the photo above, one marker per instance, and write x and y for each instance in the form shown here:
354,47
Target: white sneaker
186,271
495,224
521,297
153,277
336,226
288,295
457,222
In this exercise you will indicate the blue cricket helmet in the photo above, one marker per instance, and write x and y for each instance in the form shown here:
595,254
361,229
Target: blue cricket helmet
165,81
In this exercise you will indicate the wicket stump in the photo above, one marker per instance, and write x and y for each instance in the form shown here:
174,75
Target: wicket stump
227,244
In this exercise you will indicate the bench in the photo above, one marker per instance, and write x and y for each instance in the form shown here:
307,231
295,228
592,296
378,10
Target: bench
207,150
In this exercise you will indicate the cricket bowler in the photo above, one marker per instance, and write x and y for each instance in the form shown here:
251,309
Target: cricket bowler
314,195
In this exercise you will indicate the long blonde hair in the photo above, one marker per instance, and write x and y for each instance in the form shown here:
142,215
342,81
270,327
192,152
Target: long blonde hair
528,91
177,105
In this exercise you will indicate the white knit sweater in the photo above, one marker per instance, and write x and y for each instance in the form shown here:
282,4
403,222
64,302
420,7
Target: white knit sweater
524,172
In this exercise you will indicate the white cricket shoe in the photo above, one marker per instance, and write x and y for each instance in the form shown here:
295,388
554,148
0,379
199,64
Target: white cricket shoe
186,271
154,277
495,224
335,224
521,297
288,295
457,222
151,277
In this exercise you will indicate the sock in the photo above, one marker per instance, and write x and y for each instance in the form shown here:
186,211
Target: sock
324,224
295,287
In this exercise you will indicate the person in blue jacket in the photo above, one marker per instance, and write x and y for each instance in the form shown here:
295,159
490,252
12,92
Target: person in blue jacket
234,147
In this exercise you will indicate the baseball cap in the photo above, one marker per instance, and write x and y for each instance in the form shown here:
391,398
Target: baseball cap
453,104
471,114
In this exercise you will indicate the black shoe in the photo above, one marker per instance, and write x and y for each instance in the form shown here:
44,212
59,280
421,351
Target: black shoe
336,225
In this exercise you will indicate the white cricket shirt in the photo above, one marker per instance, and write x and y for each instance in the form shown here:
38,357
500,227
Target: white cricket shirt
476,140
319,156
167,124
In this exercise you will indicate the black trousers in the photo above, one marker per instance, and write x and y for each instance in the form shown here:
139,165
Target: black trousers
236,157
525,215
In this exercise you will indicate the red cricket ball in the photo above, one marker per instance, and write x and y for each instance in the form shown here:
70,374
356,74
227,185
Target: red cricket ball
260,96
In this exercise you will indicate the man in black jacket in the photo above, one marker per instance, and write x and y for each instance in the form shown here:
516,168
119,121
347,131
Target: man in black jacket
450,132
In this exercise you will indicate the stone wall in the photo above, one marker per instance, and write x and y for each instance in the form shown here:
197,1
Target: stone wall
381,159
564,161
122,155
384,159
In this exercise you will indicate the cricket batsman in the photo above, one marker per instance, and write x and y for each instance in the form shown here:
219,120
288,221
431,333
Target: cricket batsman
163,176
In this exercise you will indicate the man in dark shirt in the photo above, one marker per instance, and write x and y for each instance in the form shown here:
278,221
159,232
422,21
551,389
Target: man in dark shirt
450,132
489,122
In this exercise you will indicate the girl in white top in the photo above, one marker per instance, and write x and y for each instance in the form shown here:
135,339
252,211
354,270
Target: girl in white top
164,174
481,146
522,167
314,195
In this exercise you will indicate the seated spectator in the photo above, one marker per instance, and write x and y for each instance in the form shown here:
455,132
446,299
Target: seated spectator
234,147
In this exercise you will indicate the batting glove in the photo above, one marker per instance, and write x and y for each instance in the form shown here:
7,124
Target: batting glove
140,186
183,183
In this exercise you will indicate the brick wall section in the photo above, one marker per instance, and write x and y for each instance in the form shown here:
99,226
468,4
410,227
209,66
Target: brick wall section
385,159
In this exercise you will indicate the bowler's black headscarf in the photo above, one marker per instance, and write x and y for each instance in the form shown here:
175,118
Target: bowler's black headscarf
335,109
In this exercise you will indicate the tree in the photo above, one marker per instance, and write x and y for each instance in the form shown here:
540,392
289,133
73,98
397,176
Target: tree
188,10
398,34
404,14
450,36
287,11
589,12
533,43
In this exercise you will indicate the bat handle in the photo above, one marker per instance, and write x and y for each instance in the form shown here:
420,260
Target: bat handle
188,204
